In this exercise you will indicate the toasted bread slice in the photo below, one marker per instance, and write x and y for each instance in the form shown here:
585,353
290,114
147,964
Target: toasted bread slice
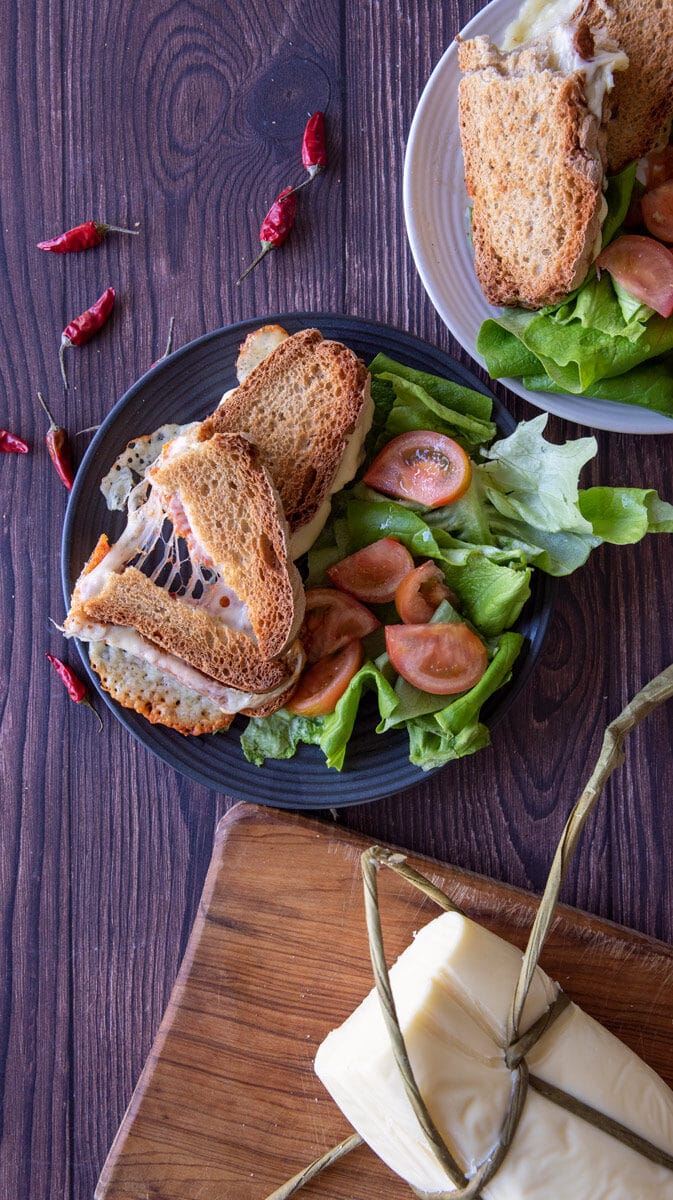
301,405
234,516
534,170
641,103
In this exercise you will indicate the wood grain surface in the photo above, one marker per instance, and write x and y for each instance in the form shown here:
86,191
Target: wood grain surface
228,1103
186,118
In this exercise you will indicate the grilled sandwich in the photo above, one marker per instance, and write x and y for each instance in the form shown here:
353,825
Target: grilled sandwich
192,615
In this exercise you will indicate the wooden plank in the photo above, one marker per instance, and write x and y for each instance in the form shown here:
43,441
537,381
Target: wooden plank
228,1103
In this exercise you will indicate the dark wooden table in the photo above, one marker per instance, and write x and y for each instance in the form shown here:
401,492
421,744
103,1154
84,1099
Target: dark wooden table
185,117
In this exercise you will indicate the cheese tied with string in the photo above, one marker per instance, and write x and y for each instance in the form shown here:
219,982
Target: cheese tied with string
453,989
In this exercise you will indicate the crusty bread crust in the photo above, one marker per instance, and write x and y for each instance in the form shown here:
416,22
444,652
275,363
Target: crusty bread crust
299,406
235,514
184,630
533,171
641,102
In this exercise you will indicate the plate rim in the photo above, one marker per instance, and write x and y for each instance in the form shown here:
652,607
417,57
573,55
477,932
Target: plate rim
610,416
142,730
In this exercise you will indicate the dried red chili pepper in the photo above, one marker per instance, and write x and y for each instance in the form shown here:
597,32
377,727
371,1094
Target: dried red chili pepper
313,148
73,684
82,237
276,226
58,445
83,328
11,444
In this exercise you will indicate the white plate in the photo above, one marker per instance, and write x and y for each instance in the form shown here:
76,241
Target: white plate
435,209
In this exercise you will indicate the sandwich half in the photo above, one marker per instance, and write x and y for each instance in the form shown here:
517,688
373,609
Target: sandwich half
534,144
306,404
640,104
192,614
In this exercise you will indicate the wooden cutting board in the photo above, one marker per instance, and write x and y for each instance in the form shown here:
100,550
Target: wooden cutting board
227,1105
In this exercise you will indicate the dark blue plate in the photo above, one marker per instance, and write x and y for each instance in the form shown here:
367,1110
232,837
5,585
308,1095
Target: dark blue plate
186,387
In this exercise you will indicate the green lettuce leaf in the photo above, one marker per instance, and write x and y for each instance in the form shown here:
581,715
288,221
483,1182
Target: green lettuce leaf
622,516
278,736
414,408
447,393
338,726
649,386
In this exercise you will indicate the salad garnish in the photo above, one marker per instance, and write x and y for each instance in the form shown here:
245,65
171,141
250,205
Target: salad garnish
433,644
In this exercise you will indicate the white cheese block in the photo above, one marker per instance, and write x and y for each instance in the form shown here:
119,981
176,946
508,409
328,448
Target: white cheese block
453,989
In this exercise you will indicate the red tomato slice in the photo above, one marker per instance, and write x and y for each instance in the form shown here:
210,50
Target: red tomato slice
659,167
323,684
643,267
373,573
421,592
420,465
440,659
657,207
332,619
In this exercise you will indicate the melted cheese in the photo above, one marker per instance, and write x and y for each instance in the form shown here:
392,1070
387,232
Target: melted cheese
453,989
205,590
549,24
132,464
229,700
535,18
256,347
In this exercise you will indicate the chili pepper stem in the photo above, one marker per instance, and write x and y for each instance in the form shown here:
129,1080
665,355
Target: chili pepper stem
52,423
65,342
119,229
266,246
169,339
313,172
88,704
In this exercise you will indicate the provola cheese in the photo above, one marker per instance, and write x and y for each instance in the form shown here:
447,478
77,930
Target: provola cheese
453,989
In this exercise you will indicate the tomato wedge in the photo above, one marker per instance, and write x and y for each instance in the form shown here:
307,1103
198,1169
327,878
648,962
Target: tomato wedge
440,659
643,267
332,618
421,465
657,207
323,684
373,573
421,592
659,167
